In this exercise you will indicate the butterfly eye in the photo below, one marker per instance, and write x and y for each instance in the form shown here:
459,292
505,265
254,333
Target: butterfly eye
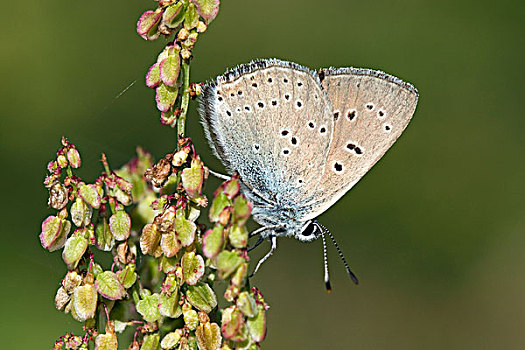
309,230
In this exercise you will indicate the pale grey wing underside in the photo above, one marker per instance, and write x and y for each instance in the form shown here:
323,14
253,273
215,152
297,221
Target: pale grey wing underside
271,122
371,109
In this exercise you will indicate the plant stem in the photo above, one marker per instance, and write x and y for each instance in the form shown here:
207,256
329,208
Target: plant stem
109,190
181,124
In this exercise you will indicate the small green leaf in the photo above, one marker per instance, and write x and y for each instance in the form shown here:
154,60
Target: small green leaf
231,188
191,318
81,212
174,15
246,303
212,241
208,9
242,210
120,326
171,340
74,249
202,297
127,276
192,179
191,20
231,321
257,325
170,244
209,336
106,341
170,68
239,277
192,267
184,229
166,96
90,195
169,305
220,202
148,24
153,76
149,239
227,263
120,225
151,342
74,158
54,235
61,298
109,286
84,302
148,308
238,236
96,268
104,238
122,196
168,264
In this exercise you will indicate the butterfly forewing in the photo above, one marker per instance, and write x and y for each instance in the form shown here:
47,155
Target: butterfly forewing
271,122
371,109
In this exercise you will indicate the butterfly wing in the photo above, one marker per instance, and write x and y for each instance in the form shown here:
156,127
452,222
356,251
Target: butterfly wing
371,109
271,122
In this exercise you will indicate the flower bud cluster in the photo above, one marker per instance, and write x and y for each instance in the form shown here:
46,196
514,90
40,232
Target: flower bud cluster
186,19
95,214
243,323
164,263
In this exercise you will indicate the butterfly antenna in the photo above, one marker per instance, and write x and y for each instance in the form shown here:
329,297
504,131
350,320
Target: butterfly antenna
350,273
325,256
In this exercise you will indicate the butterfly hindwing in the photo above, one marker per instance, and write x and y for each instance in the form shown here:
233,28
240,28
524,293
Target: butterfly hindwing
371,109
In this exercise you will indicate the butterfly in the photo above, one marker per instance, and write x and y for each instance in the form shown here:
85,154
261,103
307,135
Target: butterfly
300,139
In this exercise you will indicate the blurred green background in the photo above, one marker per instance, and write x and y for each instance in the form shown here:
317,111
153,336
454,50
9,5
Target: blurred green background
435,231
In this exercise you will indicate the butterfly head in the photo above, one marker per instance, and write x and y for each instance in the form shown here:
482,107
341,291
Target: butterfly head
309,231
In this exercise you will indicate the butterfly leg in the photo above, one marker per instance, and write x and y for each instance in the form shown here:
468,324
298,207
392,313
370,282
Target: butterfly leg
219,175
259,231
259,241
274,246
